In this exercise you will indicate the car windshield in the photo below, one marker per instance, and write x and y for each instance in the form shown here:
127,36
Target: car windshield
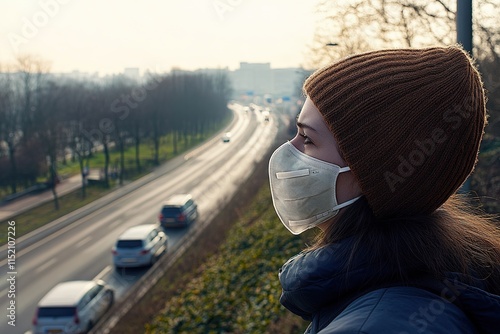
53,312
129,244
170,211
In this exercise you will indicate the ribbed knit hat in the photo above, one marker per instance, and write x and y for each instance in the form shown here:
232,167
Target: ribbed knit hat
407,121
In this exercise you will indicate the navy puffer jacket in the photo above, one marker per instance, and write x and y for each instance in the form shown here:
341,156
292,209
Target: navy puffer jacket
317,288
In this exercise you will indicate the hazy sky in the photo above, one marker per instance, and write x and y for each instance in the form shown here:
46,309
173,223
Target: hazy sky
109,35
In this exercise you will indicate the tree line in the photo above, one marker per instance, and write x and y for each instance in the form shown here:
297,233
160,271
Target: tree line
45,118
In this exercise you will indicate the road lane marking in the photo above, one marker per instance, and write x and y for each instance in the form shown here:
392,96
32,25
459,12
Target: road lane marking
103,272
83,242
115,223
45,265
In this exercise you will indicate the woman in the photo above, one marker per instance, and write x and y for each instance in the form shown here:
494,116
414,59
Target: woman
384,141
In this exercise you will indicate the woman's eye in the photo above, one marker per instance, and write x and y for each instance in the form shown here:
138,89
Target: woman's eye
306,138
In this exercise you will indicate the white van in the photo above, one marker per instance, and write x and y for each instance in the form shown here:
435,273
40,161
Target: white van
72,307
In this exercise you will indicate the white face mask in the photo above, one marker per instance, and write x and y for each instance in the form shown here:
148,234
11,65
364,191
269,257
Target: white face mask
303,188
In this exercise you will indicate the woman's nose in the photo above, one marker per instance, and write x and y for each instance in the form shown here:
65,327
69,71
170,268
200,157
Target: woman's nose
297,141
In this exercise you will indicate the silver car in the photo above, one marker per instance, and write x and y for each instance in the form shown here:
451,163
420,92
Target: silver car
139,246
72,307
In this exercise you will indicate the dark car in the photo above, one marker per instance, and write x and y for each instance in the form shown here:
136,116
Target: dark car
178,210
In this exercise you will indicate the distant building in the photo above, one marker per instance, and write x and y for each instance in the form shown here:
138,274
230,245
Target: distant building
252,79
287,82
259,79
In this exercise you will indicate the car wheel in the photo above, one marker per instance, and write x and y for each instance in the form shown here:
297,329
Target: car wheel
111,297
89,326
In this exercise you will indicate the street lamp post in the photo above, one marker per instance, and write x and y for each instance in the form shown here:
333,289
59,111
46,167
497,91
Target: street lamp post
464,37
464,24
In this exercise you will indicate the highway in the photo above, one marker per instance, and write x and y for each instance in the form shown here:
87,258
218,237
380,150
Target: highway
82,249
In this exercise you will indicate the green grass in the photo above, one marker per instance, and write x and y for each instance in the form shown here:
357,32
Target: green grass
146,155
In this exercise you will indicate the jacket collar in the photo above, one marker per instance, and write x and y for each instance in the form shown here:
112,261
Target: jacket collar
318,283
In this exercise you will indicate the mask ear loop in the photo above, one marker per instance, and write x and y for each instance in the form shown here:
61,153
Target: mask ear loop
308,221
349,202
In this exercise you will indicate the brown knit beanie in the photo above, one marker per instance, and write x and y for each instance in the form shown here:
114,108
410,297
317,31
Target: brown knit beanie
408,122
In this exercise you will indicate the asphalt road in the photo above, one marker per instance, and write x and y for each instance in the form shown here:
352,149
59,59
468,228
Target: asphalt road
82,249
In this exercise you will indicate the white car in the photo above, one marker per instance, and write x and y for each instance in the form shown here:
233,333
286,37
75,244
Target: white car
139,246
72,307
226,137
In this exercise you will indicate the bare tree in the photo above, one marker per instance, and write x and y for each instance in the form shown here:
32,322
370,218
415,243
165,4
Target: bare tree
361,25
101,127
10,131
40,112
20,87
32,72
51,116
134,117
135,122
49,130
120,87
75,116
157,113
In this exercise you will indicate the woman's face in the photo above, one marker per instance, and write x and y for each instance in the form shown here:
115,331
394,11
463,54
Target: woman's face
315,139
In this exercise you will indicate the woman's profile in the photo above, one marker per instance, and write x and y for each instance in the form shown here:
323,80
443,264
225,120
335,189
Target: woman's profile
384,141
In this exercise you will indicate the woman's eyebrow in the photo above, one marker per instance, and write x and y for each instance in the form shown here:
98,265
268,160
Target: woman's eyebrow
301,125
